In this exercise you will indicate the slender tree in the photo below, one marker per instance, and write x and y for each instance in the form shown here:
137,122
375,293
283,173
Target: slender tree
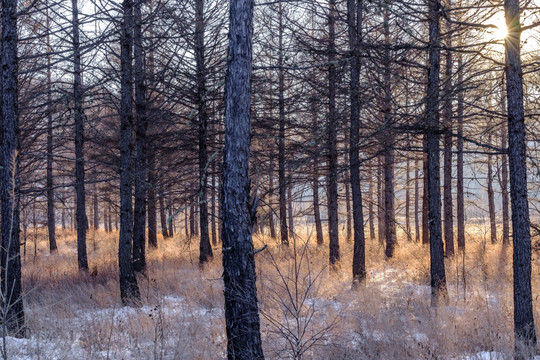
241,308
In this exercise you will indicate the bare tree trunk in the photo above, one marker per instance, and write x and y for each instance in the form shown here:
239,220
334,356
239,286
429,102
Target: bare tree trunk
447,160
290,208
355,21
425,197
51,221
129,290
380,202
436,251
141,144
170,219
12,302
151,201
524,329
213,208
82,222
408,200
205,249
416,200
271,198
163,217
96,210
284,233
241,310
109,211
460,198
504,180
371,201
333,220
491,197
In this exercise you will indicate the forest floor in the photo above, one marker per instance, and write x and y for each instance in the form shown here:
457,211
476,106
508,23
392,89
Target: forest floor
306,310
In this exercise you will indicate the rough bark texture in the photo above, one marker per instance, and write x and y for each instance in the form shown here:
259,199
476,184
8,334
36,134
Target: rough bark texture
370,205
290,208
438,278
205,249
281,136
491,197
241,308
51,221
333,221
416,201
80,212
504,181
408,200
12,303
354,19
524,329
163,216
447,122
271,221
141,145
460,197
380,202
129,290
425,196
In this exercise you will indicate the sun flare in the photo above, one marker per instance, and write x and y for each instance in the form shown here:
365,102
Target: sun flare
499,31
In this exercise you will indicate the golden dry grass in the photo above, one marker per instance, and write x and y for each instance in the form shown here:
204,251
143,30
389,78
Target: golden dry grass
306,309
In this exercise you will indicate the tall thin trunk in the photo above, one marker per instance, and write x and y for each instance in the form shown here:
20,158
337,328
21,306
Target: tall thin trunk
241,310
371,201
524,329
408,200
380,202
271,197
348,211
141,143
504,181
51,221
163,216
447,159
491,197
213,207
192,228
290,208
284,233
416,200
170,219
333,221
436,250
12,302
425,196
109,211
96,210
205,249
389,210
129,289
82,222
151,201
460,198
355,20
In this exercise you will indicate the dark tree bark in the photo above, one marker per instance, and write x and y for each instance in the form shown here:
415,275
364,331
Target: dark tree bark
380,202
333,221
491,196
436,251
425,196
371,201
416,201
284,232
460,198
241,309
96,210
317,207
205,249
170,219
12,302
290,208
504,188
348,233
524,329
408,200
447,159
51,221
355,19
163,216
388,142
213,207
141,144
271,197
129,289
80,212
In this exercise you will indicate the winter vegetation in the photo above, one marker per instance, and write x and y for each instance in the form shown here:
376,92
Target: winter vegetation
287,179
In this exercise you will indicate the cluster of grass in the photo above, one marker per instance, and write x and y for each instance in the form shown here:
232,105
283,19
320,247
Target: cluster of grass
307,310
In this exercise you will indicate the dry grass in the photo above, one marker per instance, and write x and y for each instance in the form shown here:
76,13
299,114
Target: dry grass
306,309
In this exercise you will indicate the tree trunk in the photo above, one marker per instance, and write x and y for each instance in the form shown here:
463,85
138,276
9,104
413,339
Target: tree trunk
355,20
491,197
380,202
438,277
408,200
12,302
129,290
271,198
504,181
151,204
284,233
51,221
141,144
82,222
96,210
205,249
213,208
524,329
447,159
425,196
460,197
290,208
371,201
163,216
170,219
416,200
241,309
333,220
